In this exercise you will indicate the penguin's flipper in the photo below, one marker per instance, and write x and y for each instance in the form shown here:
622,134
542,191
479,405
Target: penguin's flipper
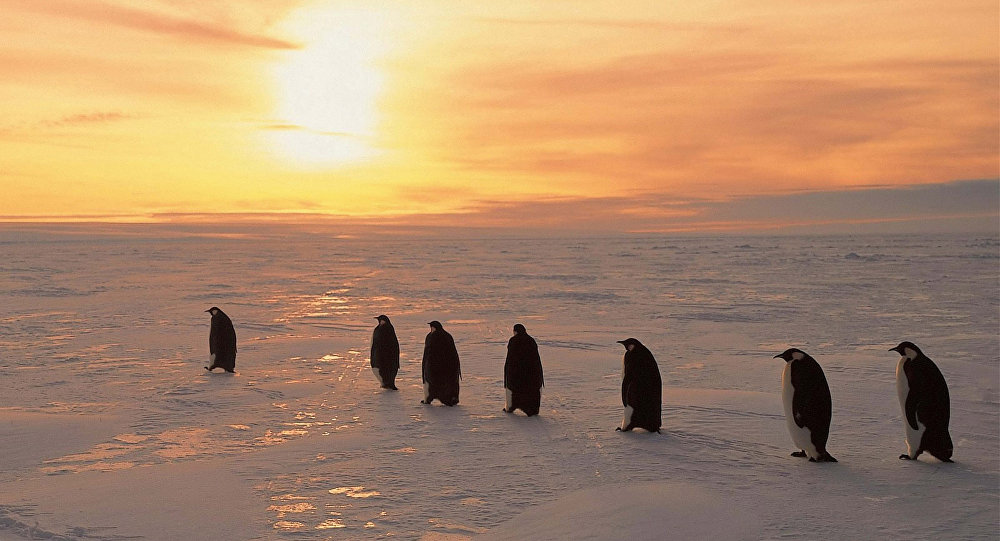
910,409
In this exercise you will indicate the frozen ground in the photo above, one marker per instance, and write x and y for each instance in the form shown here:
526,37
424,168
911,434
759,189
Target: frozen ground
110,428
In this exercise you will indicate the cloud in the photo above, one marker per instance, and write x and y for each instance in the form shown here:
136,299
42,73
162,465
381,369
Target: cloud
962,206
101,117
150,21
773,105
45,126
615,24
279,127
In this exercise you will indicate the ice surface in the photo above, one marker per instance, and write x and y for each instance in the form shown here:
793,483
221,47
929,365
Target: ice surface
110,428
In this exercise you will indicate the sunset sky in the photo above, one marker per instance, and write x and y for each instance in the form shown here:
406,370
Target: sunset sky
636,116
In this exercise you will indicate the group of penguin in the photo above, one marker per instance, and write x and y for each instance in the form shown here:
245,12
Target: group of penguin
923,392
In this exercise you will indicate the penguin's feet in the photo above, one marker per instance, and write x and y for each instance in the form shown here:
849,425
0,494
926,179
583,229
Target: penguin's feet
799,454
209,369
618,429
505,410
905,456
425,401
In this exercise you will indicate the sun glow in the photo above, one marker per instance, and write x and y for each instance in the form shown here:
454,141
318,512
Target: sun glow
327,91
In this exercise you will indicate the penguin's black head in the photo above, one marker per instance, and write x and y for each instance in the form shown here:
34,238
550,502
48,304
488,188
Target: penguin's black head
792,354
213,310
902,348
519,329
630,343
382,319
436,325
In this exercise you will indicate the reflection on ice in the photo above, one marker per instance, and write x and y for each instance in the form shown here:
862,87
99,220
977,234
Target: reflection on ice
282,510
288,525
331,523
355,492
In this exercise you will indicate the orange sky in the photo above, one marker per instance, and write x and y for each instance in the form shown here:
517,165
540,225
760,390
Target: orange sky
439,108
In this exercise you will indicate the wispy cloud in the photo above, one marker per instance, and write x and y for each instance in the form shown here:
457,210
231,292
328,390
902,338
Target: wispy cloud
47,125
151,21
966,206
295,127
625,24
723,116
100,117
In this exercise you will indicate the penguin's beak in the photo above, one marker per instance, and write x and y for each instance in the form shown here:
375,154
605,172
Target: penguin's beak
896,349
778,356
621,342
209,310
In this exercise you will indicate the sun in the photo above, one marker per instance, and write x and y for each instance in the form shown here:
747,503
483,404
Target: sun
327,91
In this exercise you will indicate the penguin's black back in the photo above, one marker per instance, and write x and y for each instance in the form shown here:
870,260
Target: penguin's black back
812,405
222,342
523,366
522,373
931,404
440,366
642,388
385,347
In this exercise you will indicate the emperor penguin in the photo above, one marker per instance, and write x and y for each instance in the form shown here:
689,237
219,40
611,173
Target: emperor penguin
221,342
385,353
641,388
440,367
522,373
808,406
923,395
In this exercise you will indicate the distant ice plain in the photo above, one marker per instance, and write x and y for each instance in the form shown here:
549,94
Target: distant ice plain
111,428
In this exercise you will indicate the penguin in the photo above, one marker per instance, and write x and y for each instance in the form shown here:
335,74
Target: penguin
385,353
641,388
808,406
221,342
923,396
522,373
440,367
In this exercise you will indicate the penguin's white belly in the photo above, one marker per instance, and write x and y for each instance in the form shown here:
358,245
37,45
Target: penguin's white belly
377,375
211,358
509,395
427,391
801,436
627,418
913,437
